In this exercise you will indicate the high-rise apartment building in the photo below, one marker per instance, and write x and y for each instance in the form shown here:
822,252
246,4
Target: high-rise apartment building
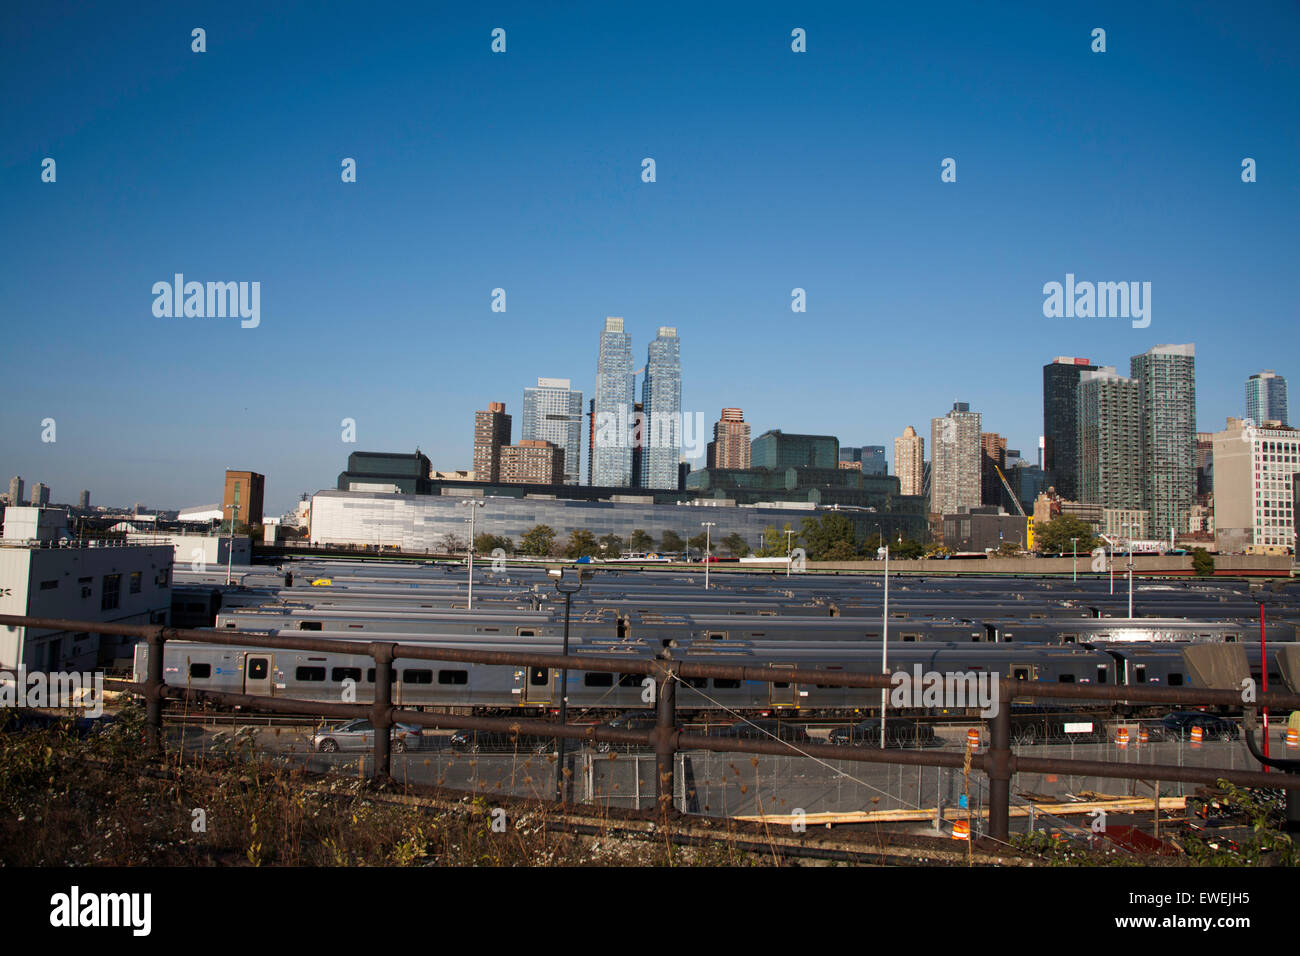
1166,375
993,453
244,489
553,413
909,462
1110,441
1254,485
730,445
1061,422
40,495
1204,467
491,433
1266,398
15,491
84,501
661,430
955,460
532,462
611,449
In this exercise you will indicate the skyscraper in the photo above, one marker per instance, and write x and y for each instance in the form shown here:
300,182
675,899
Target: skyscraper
16,490
662,397
1110,440
868,459
553,413
1266,398
993,453
955,460
40,495
611,451
1166,375
84,501
491,432
909,462
730,445
1061,422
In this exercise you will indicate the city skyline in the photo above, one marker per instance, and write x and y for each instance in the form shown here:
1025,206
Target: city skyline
916,289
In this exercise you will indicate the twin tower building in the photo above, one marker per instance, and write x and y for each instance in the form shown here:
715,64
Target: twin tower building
631,443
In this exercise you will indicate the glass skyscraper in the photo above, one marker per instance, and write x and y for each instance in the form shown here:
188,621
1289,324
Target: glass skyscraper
661,430
1266,398
1166,376
611,446
553,413
1061,423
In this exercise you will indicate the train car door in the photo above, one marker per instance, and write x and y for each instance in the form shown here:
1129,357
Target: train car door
538,683
257,674
784,693
1025,672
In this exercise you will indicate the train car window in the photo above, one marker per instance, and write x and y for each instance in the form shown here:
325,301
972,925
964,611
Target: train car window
725,683
537,676
780,684
629,680
488,630
716,635
370,676
340,674
1020,673
310,673
1175,680
596,679
910,637
1101,674
257,668
200,671
230,624
1140,673
417,677
527,632
453,677
1065,679
1069,638
1230,639
695,681
309,625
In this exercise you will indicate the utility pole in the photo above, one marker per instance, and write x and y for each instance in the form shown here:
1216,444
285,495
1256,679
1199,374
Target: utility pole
469,603
708,526
789,553
230,552
1074,551
884,652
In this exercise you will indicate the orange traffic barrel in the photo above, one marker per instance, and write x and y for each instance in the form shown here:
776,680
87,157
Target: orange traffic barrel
973,739
1197,736
1293,737
1121,737
961,829
1143,736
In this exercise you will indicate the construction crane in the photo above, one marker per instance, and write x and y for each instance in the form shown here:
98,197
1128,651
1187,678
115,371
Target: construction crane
1007,485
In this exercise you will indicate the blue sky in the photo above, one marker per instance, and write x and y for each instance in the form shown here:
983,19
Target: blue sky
521,170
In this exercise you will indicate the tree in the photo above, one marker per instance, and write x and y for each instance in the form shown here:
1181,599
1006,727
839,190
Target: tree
671,541
451,543
487,543
640,542
611,545
735,545
822,535
839,551
908,550
697,543
1202,563
774,542
582,544
538,540
1008,549
1056,536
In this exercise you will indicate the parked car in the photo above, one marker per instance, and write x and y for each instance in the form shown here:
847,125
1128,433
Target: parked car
637,720
359,734
899,732
1179,724
763,730
476,741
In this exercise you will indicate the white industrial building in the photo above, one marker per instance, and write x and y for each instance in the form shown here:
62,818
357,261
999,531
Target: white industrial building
1253,499
49,574
198,551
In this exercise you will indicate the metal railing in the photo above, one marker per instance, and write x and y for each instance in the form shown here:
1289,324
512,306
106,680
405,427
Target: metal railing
998,762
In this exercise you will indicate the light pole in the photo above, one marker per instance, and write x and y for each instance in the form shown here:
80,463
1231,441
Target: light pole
1074,552
789,552
1129,535
884,651
230,552
708,526
469,603
568,589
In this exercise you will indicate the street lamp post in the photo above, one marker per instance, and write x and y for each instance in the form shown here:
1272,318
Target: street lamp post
708,526
469,603
1074,553
789,552
884,651
568,589
230,552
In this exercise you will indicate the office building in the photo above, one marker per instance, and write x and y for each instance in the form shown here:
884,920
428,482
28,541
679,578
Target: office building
553,413
244,491
662,423
984,529
730,445
1204,467
532,461
611,447
1110,440
16,490
868,459
1266,399
40,495
387,471
83,501
1166,375
776,449
909,462
492,429
1061,421
993,455
1254,480
955,461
